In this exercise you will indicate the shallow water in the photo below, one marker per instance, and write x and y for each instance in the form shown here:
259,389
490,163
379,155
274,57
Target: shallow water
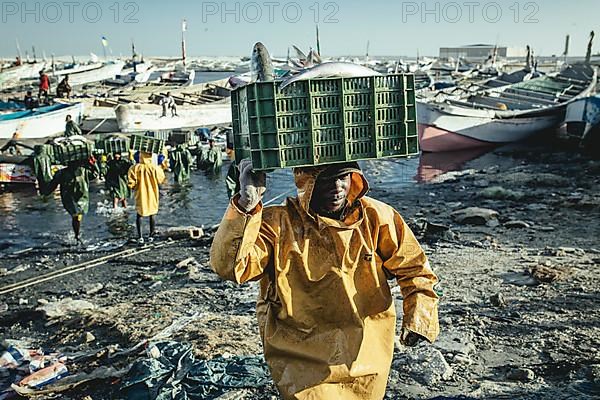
28,220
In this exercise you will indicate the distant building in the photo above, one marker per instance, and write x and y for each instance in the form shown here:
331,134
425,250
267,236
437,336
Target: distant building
480,52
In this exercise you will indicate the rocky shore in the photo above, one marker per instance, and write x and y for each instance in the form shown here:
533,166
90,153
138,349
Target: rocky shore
513,238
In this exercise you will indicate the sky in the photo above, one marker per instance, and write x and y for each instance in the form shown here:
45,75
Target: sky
218,28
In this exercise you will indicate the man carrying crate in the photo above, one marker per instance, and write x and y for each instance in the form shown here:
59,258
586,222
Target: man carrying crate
325,310
144,178
116,180
74,181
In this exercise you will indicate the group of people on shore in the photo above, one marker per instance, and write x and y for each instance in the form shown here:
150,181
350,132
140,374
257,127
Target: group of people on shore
63,90
140,172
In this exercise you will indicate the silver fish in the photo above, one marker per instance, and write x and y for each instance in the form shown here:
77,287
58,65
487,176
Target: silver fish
330,69
261,64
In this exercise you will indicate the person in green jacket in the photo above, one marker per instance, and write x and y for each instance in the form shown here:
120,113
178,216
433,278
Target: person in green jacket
232,181
214,159
180,160
74,182
71,127
116,180
42,166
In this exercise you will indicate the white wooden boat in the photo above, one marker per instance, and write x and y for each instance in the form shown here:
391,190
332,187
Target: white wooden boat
582,116
77,69
500,115
104,72
10,77
148,117
40,122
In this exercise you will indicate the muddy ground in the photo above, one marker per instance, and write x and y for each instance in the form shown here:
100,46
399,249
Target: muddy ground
519,312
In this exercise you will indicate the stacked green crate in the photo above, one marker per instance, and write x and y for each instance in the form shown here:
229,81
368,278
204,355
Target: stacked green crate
116,145
70,152
323,121
146,144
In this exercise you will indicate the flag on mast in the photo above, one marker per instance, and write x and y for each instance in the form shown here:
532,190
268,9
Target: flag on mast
104,41
183,25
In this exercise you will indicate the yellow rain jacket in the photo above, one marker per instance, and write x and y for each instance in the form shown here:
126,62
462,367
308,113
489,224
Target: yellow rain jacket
144,178
326,315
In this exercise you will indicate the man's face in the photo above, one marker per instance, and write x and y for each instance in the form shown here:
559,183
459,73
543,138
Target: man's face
330,194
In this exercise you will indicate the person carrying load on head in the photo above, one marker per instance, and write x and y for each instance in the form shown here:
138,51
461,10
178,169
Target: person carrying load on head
116,180
323,260
144,178
74,182
180,160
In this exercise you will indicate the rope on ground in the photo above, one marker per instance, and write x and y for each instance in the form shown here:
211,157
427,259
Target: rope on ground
80,267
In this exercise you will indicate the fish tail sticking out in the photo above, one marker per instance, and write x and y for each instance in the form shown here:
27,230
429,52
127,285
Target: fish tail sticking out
331,69
261,64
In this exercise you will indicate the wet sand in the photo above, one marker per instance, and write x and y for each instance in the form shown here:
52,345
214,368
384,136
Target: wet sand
520,305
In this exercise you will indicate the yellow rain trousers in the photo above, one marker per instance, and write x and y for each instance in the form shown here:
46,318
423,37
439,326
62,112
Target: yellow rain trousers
144,178
325,311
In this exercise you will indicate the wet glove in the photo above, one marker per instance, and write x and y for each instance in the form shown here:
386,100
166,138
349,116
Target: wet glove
92,161
252,186
410,338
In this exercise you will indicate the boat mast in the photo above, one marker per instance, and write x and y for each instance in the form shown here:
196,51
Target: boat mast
133,56
566,52
318,42
528,59
19,50
367,55
183,29
588,54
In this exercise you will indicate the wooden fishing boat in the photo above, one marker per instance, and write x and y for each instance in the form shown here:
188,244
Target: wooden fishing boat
40,122
148,117
508,113
16,169
582,117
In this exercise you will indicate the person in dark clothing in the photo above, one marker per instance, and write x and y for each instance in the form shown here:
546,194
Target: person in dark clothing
180,160
29,101
71,127
64,89
116,180
74,182
232,181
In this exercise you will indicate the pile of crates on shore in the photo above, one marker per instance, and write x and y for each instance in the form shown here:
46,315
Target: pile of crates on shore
322,121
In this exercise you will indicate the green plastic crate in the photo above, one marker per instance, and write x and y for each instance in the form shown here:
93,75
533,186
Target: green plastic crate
66,153
322,121
146,144
116,145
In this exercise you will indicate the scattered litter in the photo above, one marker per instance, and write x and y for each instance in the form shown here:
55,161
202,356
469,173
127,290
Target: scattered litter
170,371
476,216
65,307
93,288
45,376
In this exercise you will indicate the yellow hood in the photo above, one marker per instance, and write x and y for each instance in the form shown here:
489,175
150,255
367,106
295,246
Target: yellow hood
306,178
